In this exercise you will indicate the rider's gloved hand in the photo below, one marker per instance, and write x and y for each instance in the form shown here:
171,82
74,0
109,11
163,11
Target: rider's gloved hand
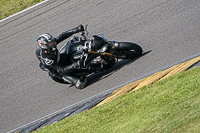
80,28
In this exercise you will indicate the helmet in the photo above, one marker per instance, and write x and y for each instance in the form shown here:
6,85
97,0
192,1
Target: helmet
46,42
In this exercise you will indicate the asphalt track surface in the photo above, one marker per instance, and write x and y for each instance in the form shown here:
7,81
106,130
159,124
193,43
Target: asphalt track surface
169,30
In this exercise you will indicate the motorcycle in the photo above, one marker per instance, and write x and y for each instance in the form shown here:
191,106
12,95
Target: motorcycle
96,54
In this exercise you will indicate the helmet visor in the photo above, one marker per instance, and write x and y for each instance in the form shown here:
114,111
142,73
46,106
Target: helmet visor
50,44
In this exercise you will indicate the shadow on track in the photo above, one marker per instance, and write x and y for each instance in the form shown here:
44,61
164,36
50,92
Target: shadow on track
102,75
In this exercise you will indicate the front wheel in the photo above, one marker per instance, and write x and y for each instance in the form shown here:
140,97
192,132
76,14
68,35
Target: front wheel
129,50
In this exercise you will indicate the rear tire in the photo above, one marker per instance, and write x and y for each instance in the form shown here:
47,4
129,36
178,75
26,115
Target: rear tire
130,50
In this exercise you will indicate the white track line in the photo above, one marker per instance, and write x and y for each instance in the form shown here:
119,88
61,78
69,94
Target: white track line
23,10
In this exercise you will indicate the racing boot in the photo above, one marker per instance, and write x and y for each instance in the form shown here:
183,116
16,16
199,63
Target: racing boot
81,83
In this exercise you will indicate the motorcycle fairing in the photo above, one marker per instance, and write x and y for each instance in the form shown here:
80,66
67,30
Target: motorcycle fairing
101,36
99,41
75,49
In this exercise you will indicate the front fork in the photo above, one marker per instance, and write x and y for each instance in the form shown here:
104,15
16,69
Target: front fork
111,47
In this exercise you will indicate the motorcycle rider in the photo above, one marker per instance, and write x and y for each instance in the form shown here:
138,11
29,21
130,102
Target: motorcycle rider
59,65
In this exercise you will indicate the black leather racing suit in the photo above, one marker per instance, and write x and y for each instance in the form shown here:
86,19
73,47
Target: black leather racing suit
54,61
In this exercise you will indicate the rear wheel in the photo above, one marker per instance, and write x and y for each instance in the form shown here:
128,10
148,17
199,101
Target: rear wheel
129,50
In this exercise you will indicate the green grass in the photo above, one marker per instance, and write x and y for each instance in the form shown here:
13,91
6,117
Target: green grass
9,7
170,105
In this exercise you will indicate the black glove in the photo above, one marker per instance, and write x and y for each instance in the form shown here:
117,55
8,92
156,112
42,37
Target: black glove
80,28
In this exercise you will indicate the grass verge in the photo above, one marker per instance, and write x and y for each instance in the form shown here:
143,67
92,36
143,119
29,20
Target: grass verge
170,105
9,7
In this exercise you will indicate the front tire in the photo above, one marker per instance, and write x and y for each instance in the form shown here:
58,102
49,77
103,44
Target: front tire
129,50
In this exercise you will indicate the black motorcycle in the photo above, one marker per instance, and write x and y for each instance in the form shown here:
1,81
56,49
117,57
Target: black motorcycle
97,54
